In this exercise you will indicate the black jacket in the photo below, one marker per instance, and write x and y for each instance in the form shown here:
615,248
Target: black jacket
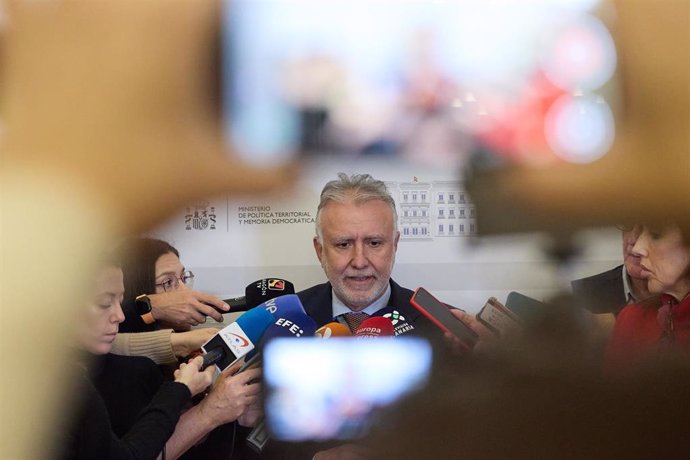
601,293
318,303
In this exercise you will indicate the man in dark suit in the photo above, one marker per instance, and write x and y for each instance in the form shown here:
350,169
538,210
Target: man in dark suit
610,291
356,240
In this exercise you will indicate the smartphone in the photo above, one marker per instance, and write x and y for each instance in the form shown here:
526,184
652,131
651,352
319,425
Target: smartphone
319,390
527,308
353,78
497,318
440,316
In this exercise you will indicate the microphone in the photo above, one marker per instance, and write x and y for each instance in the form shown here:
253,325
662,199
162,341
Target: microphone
282,307
376,326
400,324
288,303
237,339
260,291
333,329
291,324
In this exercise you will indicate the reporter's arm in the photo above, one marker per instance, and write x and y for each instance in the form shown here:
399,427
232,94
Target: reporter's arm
186,308
156,345
184,343
229,398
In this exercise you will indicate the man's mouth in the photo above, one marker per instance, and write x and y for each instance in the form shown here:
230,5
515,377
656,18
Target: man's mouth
359,278
646,272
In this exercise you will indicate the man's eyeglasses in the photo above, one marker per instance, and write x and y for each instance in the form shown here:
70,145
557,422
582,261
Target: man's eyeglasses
172,282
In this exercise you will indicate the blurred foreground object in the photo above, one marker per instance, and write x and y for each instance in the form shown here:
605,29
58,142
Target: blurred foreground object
109,126
642,176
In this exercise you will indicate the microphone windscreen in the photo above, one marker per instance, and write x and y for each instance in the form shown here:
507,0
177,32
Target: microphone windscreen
333,329
262,290
283,305
292,324
255,322
376,326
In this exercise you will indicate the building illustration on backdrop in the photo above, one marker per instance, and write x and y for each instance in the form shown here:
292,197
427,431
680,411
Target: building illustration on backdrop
434,209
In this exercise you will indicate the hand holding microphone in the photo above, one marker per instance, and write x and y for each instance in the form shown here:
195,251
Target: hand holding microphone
185,343
186,308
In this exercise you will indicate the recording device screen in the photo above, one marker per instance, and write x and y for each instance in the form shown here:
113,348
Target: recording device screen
320,389
342,77
440,315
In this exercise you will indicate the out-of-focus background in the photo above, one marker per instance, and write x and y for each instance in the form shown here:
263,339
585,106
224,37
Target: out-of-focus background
410,92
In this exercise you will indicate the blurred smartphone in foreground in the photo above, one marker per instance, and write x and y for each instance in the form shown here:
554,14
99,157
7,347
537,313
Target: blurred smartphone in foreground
319,390
356,77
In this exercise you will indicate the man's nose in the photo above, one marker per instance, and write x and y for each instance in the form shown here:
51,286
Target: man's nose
359,256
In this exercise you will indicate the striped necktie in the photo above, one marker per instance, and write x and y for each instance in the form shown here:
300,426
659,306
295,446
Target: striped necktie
353,320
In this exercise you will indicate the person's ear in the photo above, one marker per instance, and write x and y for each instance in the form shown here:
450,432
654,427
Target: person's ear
397,238
318,247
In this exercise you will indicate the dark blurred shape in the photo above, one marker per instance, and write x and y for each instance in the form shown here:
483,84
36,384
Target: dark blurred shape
541,397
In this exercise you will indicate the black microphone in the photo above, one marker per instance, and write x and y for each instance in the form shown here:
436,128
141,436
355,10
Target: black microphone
259,292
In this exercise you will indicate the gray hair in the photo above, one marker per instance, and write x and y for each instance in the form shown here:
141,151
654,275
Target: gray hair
359,188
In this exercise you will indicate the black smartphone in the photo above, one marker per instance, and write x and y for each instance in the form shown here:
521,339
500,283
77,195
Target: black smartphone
527,308
321,390
439,314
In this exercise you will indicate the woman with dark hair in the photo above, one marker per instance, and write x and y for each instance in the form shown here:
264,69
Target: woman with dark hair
154,274
92,435
158,289
160,422
139,264
661,322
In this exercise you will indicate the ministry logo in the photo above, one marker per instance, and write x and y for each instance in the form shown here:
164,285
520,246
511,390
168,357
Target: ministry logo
200,216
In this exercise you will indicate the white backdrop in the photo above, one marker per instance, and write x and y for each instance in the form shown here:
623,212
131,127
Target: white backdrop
228,243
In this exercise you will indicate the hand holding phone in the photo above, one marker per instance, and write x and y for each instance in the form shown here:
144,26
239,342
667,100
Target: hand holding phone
439,314
497,318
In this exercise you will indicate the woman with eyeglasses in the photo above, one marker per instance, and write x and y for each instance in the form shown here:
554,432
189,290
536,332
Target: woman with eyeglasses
660,323
158,299
158,289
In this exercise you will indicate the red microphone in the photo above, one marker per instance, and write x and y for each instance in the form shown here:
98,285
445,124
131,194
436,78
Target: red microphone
376,326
